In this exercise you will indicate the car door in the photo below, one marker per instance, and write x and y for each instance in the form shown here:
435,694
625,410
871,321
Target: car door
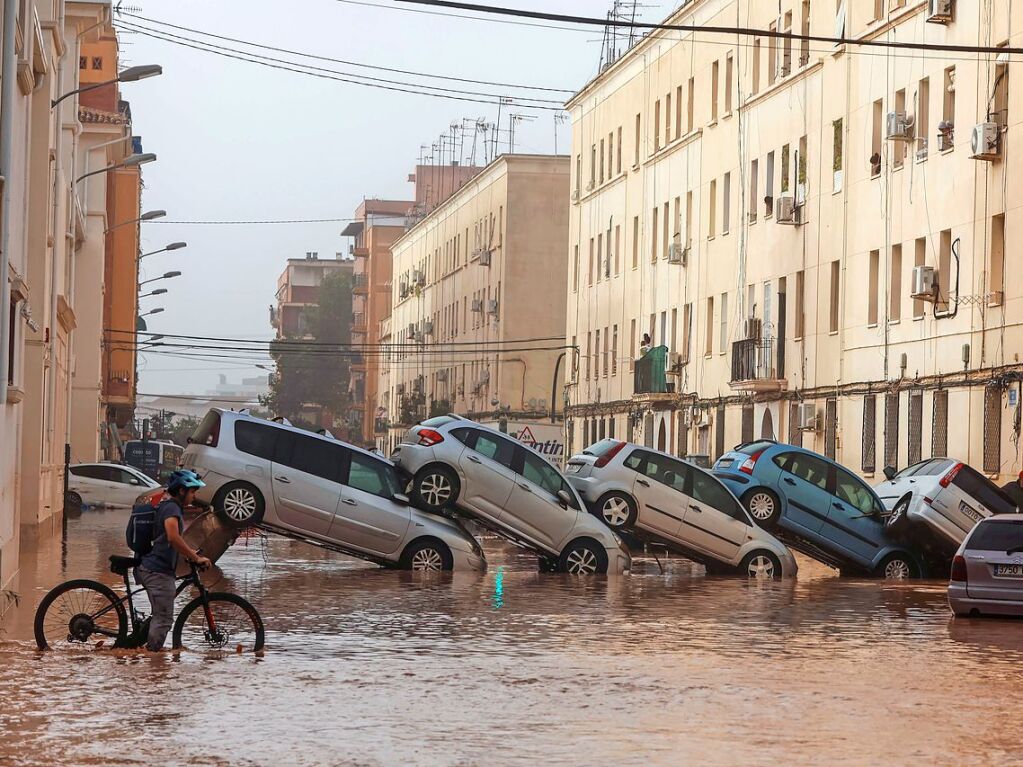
128,486
486,465
534,509
110,485
368,516
306,478
714,521
803,482
659,490
85,480
854,522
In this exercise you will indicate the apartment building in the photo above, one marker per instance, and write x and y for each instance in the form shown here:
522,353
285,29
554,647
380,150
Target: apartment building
298,291
816,236
477,306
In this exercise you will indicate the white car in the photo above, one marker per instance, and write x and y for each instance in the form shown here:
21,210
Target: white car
105,484
656,495
943,494
987,571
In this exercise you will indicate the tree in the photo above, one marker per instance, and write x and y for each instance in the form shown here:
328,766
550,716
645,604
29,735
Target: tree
181,428
313,373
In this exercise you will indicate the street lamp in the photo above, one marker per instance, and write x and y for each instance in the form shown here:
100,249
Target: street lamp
157,292
149,215
128,162
129,75
164,276
172,246
157,310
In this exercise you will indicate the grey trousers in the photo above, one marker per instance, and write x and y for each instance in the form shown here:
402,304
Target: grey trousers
160,588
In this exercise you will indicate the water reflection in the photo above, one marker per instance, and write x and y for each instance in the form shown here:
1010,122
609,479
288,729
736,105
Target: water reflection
367,666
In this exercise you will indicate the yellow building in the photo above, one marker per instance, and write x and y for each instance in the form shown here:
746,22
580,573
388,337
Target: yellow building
771,211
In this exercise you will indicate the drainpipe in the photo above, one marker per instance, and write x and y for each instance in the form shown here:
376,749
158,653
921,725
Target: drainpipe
8,73
59,241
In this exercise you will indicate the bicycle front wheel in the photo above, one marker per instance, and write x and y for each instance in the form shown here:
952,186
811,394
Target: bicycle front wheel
80,613
225,623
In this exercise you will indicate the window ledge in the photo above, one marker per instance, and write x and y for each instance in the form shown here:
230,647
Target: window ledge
871,324
947,151
923,159
712,123
895,322
898,167
727,114
917,319
832,332
875,175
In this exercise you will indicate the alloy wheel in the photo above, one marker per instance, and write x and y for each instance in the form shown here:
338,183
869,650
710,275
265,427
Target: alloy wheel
427,560
581,562
240,504
760,566
897,570
435,489
615,511
761,506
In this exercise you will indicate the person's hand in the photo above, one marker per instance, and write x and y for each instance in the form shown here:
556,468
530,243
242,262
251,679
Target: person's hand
203,563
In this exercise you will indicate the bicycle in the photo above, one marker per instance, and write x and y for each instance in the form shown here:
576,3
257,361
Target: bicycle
81,612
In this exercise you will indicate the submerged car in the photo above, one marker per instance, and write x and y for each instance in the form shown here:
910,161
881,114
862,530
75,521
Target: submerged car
944,495
987,570
654,494
105,484
317,489
459,465
817,507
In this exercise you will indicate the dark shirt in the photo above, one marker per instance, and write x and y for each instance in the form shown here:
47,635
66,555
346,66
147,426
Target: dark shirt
163,558
1015,492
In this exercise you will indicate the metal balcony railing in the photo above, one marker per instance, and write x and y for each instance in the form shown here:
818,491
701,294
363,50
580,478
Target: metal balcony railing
753,359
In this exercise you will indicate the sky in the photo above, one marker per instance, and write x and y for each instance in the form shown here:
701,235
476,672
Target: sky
239,141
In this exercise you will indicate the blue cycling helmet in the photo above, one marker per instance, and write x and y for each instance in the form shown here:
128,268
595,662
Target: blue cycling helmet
183,478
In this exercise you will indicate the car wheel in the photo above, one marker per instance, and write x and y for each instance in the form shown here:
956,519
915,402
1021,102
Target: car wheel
897,522
435,488
427,556
584,558
617,510
763,506
761,564
897,567
239,504
72,502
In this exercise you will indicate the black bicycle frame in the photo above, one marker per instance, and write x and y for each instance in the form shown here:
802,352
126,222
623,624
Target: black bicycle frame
192,579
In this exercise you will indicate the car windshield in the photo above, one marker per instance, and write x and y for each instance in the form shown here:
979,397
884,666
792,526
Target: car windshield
750,448
997,535
598,449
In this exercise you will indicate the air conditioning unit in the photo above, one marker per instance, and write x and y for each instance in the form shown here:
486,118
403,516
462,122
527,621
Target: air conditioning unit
411,330
786,211
427,328
752,329
402,289
940,11
484,258
418,277
419,337
898,127
924,283
492,306
985,142
808,420
399,388
442,376
477,304
678,254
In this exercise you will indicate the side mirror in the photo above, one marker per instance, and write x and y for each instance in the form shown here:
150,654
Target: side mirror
134,481
889,472
401,498
566,499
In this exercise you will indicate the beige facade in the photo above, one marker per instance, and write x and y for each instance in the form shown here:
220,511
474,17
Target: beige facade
484,269
753,205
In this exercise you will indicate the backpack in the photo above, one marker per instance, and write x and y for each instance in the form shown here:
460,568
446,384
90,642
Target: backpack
142,527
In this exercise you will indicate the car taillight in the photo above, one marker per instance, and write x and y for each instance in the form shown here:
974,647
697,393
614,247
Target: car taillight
429,437
749,463
950,475
605,459
958,569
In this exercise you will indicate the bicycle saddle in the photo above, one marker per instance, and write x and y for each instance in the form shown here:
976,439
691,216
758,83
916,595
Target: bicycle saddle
121,565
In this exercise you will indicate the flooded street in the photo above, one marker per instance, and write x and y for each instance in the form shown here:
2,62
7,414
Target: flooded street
367,666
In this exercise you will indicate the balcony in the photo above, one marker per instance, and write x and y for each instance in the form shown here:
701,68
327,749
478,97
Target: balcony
380,425
359,322
650,381
756,367
360,283
360,252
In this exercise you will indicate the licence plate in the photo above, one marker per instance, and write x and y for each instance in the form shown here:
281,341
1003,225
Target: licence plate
1009,571
573,468
970,512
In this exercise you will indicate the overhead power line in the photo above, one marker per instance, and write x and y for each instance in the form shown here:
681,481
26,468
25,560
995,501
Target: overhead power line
462,16
313,344
257,222
712,29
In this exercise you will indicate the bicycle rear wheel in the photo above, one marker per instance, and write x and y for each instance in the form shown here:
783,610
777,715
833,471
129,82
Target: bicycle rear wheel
231,625
79,613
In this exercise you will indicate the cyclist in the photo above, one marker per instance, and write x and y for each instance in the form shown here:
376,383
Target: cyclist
157,569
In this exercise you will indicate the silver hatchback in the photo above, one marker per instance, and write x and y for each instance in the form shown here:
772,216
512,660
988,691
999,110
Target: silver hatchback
322,491
658,495
987,571
458,464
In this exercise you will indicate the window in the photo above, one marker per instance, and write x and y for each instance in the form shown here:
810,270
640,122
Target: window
575,268
657,125
607,348
653,235
808,468
602,161
868,460
618,249
922,129
1000,98
709,491
719,432
666,234
786,58
208,431
919,258
830,427
596,353
836,155
709,349
712,209
948,112
635,241
589,349
898,148
997,535
804,43
578,173
256,439
373,476
992,429
756,66
875,141
687,329
946,280
723,342
914,447
83,62
786,158
795,433
593,175
667,471
493,447
754,172
835,295
683,435
667,119
714,91
800,311
97,62
769,186
726,203
939,423
677,219
678,112
614,351
996,265
610,154
878,10
537,471
729,77
618,152
872,285
772,54
311,455
639,137
854,492
801,172
690,105
895,285
687,236
891,429
600,256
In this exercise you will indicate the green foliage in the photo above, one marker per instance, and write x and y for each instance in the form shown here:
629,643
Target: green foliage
180,429
439,407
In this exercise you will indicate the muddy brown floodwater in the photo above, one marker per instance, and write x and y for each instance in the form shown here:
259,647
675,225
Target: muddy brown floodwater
367,666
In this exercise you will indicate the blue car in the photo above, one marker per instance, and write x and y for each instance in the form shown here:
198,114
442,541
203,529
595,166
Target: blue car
817,507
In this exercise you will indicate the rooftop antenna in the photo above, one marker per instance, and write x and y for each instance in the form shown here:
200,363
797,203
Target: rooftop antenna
513,119
560,118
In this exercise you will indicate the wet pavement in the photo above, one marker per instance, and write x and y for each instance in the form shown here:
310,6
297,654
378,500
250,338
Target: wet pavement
366,666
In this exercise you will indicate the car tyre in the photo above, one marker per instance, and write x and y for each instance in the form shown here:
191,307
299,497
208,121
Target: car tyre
427,555
897,567
898,523
435,488
763,506
239,504
73,502
616,510
583,557
761,564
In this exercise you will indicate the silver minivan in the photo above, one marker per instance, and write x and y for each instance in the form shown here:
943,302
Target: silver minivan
987,571
315,488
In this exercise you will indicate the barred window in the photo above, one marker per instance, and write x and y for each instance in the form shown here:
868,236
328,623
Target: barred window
747,423
869,449
795,433
891,429
992,429
939,424
831,428
719,436
914,447
683,435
